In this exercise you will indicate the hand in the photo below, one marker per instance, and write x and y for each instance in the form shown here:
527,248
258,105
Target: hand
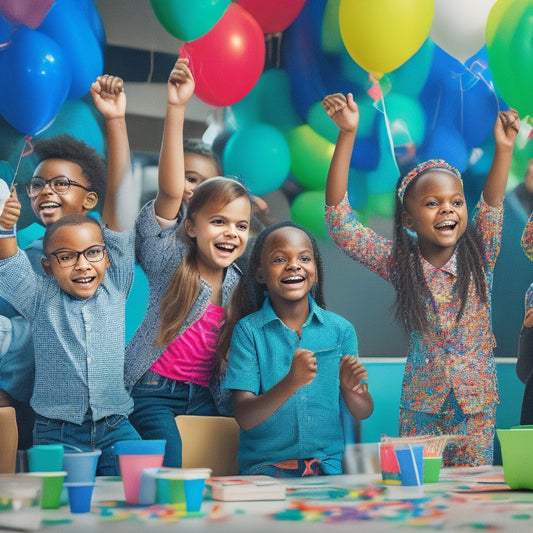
343,111
528,318
11,212
180,83
109,96
353,375
303,367
506,128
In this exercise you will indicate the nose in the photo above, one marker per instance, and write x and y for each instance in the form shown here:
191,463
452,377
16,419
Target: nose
292,264
231,231
82,263
446,208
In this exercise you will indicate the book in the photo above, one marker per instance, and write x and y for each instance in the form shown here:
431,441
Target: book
246,488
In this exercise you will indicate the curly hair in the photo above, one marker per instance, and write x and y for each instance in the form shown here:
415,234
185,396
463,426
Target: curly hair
249,294
68,148
198,147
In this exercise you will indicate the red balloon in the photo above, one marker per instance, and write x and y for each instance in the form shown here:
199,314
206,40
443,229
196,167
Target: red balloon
228,60
273,15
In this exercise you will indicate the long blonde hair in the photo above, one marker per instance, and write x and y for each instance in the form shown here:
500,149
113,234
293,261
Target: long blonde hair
185,285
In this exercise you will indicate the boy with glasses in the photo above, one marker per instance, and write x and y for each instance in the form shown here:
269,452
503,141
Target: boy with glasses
70,178
77,317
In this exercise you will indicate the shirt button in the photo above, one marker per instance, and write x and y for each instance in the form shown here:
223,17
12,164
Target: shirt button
427,360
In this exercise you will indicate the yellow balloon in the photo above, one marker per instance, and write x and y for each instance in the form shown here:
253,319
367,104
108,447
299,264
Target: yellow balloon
381,35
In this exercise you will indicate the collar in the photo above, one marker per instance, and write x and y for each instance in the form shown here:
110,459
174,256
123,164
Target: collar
267,313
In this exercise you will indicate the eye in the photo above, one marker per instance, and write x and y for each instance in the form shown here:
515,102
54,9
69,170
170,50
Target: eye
61,183
431,203
458,203
192,180
217,222
94,252
243,227
64,257
278,260
305,259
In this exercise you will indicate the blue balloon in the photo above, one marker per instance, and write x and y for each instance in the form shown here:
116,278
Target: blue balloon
68,25
6,29
34,80
95,21
447,143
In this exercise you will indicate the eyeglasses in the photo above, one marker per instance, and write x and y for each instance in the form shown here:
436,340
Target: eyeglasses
59,184
68,258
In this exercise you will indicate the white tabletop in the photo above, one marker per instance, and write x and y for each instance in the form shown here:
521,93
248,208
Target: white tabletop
336,503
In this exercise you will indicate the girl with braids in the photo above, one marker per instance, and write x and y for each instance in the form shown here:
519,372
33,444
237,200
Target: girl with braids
291,362
190,266
442,270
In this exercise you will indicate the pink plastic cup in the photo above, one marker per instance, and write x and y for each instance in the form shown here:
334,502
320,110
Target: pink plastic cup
134,456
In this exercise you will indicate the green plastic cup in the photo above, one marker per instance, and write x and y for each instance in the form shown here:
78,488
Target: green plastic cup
432,469
52,487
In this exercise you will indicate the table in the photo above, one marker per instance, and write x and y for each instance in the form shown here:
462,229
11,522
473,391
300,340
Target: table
463,500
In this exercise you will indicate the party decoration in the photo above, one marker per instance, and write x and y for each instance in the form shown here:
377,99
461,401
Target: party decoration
34,81
381,36
275,15
6,29
459,27
28,12
307,209
188,20
510,52
228,60
68,25
310,157
260,154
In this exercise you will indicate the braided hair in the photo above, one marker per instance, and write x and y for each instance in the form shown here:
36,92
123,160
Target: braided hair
249,294
409,282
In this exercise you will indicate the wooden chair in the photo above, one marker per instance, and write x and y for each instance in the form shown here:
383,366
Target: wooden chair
8,440
209,441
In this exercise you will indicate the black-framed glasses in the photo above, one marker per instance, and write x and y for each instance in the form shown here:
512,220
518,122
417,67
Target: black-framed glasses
59,184
67,258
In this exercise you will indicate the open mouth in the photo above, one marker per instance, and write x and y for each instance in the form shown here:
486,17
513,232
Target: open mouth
293,279
84,281
48,206
448,225
226,247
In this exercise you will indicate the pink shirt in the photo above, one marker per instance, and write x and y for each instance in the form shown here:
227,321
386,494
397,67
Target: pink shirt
191,357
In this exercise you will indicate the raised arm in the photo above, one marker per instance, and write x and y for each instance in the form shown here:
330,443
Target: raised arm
171,174
8,219
345,113
110,99
505,132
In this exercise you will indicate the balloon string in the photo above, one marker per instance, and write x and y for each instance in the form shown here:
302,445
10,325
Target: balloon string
27,149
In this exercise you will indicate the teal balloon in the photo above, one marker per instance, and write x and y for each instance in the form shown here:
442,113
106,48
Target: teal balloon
260,156
307,209
188,20
268,102
407,119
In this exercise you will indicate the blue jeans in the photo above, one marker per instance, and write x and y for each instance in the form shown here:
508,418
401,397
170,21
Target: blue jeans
90,435
158,400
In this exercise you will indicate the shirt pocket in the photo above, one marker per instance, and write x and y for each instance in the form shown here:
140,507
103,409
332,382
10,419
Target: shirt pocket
327,377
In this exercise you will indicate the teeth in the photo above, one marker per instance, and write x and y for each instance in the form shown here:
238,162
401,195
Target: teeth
293,279
48,205
447,224
84,280
228,247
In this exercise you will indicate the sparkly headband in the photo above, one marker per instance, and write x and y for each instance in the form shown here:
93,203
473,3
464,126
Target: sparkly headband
430,164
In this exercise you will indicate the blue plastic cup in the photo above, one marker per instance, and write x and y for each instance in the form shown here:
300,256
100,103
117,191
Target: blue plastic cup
411,460
80,496
81,466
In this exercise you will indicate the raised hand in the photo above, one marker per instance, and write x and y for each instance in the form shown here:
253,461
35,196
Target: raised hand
180,83
11,211
303,367
506,128
342,110
353,375
109,96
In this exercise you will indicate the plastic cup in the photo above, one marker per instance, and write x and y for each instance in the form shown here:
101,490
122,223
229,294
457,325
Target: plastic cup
411,462
182,487
45,458
81,466
52,486
432,469
134,456
80,496
20,498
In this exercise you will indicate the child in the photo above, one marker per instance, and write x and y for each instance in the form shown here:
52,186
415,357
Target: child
69,178
170,360
291,362
442,270
79,395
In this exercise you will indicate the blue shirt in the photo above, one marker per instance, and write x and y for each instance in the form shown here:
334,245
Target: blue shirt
308,425
78,343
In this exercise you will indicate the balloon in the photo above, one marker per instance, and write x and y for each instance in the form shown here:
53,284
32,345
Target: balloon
34,81
6,29
28,12
381,36
228,60
310,157
95,21
68,25
510,52
459,27
188,20
307,209
331,39
275,15
260,154
448,144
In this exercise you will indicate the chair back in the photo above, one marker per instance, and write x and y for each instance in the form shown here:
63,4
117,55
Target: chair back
9,438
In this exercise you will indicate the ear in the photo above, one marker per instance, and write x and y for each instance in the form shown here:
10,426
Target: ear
90,201
47,267
407,220
259,276
189,228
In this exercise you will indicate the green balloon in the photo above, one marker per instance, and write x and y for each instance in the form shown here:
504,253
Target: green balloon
510,52
310,157
381,205
188,20
307,209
